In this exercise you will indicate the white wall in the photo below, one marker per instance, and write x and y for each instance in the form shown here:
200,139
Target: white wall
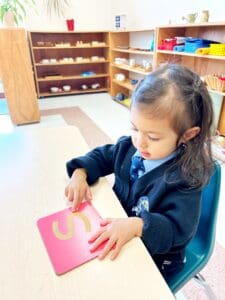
88,15
141,14
146,13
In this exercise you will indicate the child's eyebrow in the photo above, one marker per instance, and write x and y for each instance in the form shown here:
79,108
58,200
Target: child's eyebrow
155,132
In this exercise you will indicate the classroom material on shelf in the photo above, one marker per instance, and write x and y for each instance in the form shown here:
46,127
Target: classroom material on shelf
66,234
131,65
90,44
120,76
215,82
133,49
45,44
204,16
48,61
217,49
192,45
190,18
65,88
93,86
122,99
126,102
69,45
87,73
69,60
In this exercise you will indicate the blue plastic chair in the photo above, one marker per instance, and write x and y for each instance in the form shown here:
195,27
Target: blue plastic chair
200,248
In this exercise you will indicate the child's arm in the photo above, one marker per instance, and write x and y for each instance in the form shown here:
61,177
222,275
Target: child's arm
99,162
173,223
117,232
77,190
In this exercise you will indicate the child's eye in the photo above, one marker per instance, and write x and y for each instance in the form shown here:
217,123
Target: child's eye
134,129
153,138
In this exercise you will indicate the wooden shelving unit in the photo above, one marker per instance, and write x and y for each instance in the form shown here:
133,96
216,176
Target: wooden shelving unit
129,45
64,58
17,76
216,57
201,64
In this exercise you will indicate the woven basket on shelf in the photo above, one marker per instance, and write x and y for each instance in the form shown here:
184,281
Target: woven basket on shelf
215,83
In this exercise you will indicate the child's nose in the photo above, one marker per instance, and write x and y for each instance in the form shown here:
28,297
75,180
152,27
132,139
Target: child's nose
141,140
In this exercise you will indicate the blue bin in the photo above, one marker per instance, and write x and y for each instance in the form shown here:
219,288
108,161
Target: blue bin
192,44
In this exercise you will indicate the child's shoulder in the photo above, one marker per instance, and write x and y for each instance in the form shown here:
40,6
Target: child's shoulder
124,140
124,145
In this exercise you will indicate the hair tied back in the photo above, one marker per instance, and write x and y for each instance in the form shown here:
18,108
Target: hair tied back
197,84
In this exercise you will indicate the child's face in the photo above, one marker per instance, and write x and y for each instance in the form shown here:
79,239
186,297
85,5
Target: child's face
154,138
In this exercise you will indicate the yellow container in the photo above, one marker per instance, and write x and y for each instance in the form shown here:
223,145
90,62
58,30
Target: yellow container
217,49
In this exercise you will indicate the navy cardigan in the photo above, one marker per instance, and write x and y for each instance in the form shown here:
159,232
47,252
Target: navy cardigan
174,208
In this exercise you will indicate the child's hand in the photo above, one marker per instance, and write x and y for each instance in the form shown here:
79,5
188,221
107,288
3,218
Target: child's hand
118,232
78,189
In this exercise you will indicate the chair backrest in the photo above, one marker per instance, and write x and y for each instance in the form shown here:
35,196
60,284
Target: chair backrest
205,235
201,246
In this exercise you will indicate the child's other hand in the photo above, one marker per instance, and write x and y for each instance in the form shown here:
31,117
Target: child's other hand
118,232
78,189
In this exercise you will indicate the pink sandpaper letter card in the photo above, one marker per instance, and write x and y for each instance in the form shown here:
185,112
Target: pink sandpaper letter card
66,234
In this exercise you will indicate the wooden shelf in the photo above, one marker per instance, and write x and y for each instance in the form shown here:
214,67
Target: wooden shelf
132,30
188,25
216,92
191,54
72,77
74,92
127,68
72,63
126,84
70,47
141,52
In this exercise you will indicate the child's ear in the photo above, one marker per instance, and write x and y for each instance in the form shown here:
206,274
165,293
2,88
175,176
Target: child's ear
190,134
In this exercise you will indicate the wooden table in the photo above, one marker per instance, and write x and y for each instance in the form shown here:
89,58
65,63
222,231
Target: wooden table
32,182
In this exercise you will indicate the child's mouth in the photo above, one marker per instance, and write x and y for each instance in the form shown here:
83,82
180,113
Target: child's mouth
145,154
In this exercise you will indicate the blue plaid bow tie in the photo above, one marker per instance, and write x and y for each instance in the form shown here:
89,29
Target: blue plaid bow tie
137,168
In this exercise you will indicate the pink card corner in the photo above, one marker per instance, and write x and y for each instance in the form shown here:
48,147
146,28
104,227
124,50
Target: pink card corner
66,234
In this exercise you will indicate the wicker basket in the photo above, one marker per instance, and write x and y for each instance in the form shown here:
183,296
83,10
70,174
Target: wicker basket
215,83
217,49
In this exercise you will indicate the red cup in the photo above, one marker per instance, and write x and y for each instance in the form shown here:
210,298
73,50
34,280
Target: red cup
70,24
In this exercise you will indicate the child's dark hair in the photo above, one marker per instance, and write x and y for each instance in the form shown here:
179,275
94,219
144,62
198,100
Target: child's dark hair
177,92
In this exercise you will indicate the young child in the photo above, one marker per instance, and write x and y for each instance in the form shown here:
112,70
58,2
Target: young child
159,171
